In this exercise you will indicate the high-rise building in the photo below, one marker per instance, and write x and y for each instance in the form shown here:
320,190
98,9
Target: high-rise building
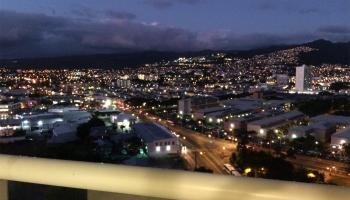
303,78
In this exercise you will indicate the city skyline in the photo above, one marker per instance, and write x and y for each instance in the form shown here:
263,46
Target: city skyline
33,29
227,99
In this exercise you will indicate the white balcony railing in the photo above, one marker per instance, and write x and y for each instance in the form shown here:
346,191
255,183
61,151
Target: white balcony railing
105,180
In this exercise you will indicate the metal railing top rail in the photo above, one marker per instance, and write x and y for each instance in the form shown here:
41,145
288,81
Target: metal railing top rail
151,182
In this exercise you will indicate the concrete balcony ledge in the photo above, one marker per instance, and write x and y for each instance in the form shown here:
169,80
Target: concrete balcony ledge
158,183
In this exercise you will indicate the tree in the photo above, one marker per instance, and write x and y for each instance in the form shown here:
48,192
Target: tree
264,165
315,107
83,130
336,86
45,102
347,150
273,167
306,143
304,175
291,153
133,145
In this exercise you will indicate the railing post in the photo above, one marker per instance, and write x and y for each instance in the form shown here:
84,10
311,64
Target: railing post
3,190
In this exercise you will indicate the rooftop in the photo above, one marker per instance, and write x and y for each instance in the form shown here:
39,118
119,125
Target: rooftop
42,116
336,119
150,131
271,120
343,133
243,103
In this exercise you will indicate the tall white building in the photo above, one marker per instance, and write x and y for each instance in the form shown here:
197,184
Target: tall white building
303,78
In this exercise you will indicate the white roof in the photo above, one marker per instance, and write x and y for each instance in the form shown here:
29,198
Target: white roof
243,103
63,132
63,128
335,119
150,132
345,133
279,118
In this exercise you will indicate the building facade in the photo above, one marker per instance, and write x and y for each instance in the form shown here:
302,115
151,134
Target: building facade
303,78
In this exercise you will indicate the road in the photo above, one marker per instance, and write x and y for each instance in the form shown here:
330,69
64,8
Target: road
209,152
213,153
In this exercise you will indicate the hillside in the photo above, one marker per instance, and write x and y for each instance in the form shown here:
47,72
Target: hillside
328,52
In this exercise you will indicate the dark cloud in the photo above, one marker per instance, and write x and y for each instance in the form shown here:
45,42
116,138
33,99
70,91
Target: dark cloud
90,14
121,15
84,12
333,29
19,29
284,5
27,35
169,3
229,40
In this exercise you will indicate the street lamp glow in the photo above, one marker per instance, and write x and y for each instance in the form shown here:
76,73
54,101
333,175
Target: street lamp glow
262,131
107,103
40,123
247,170
311,175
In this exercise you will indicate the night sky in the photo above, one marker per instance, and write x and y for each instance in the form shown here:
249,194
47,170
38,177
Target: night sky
37,28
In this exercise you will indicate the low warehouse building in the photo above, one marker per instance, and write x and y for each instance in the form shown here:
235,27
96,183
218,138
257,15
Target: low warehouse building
340,138
321,131
159,140
263,125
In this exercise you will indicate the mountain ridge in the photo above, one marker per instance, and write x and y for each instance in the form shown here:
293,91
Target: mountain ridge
328,52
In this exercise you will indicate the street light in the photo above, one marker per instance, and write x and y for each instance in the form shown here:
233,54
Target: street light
262,131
